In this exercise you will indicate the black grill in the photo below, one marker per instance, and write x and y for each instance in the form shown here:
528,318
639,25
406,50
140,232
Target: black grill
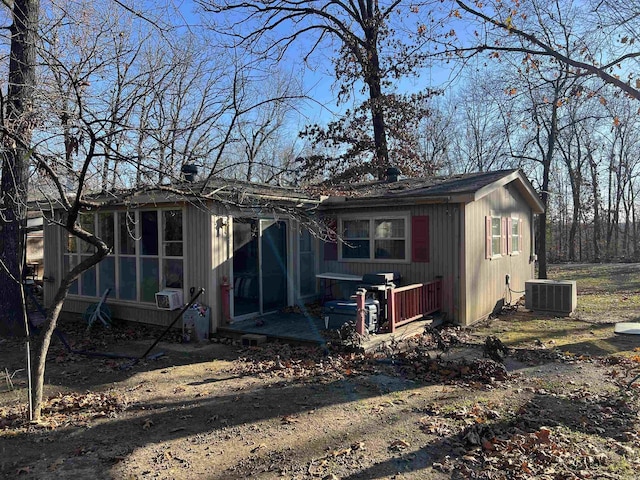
377,285
380,279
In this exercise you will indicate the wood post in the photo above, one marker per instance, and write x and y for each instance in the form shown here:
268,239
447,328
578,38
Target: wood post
360,304
391,311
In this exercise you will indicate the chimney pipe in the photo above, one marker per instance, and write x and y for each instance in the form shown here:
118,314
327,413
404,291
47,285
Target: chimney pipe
189,172
392,174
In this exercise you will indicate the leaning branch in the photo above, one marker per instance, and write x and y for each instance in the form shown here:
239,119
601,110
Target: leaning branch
549,51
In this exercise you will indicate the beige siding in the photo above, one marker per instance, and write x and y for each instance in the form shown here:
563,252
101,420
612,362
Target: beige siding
219,247
52,260
201,255
136,312
484,285
444,228
198,261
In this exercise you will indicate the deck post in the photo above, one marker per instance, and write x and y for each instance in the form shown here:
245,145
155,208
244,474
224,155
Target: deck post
360,303
391,311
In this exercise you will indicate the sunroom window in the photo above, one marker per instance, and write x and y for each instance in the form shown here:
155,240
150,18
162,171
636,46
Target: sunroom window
146,254
126,258
172,267
107,267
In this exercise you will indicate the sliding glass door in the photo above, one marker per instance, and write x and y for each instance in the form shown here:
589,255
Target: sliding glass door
274,265
259,266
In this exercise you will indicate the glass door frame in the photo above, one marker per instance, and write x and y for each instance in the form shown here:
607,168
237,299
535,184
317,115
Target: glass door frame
262,224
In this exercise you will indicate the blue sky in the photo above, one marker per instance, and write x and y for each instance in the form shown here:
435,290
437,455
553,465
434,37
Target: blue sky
318,77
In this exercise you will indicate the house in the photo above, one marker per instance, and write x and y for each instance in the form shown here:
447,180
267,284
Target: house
252,240
470,230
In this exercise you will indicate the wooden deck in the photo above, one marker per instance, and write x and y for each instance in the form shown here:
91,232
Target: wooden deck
306,329
408,330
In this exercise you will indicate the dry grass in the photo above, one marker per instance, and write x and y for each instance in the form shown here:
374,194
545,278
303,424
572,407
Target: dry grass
607,294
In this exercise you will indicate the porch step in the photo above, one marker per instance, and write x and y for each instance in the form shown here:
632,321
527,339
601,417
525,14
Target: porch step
252,340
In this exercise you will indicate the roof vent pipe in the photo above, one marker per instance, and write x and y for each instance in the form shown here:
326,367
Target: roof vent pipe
392,174
189,172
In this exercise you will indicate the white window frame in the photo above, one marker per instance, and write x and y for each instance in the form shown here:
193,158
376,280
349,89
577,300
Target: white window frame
371,218
497,254
115,295
515,223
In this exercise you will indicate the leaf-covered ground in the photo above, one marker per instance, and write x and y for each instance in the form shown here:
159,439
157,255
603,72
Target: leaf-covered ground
559,406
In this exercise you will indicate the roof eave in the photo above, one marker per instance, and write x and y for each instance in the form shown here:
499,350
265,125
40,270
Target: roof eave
523,185
340,203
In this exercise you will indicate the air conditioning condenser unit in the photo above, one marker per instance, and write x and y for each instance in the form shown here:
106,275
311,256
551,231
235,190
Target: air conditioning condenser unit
551,296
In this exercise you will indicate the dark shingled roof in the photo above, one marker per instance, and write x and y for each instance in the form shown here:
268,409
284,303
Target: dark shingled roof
466,183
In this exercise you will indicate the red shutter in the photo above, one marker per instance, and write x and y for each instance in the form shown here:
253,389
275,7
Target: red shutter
420,238
331,246
487,246
330,251
508,233
504,236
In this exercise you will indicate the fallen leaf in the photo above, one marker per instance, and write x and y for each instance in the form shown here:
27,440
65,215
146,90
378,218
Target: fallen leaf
258,447
147,424
488,445
399,444
339,453
543,435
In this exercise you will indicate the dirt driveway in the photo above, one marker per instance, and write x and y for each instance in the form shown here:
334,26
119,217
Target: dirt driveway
558,408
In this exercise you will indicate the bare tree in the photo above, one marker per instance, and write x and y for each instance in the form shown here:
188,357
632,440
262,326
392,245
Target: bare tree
19,117
595,32
259,140
622,149
108,109
483,125
377,42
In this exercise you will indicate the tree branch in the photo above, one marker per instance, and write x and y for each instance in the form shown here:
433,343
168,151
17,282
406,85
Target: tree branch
549,51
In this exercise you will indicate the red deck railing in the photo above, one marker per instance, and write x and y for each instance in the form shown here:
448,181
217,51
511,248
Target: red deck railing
409,303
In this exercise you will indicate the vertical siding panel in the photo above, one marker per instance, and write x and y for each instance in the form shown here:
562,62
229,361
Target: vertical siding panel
486,277
220,261
198,257
52,260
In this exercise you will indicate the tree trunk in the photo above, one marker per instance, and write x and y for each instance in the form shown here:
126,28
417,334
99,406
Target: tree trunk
546,173
575,217
376,99
595,186
379,131
44,339
18,122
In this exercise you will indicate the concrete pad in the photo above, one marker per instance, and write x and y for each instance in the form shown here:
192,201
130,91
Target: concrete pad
628,328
